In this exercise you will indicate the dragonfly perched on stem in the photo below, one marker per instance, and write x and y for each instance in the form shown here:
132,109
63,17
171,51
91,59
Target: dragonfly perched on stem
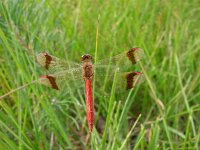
60,72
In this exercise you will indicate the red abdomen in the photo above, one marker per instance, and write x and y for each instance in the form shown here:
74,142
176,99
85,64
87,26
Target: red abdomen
89,103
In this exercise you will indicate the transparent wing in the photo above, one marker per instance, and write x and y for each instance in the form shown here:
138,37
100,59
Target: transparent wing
59,72
54,64
124,81
123,62
59,79
130,57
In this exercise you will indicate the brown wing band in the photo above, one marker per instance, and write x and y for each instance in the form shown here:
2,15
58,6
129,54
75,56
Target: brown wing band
130,54
48,60
52,81
130,79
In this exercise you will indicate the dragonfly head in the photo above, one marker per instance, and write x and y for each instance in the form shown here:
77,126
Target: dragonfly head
86,58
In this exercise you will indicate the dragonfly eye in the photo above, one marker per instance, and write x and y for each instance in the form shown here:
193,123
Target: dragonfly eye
86,57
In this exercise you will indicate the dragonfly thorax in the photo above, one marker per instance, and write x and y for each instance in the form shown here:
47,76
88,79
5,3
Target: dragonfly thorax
87,70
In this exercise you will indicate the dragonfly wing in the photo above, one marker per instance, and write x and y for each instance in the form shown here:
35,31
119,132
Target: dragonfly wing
129,80
132,79
120,64
59,79
54,64
129,57
59,72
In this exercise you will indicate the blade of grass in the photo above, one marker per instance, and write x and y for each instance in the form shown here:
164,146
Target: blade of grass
108,118
129,133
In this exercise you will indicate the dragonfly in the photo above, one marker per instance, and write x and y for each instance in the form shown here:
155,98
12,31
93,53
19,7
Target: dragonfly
62,71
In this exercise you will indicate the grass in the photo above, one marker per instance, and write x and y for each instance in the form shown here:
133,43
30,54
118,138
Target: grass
162,113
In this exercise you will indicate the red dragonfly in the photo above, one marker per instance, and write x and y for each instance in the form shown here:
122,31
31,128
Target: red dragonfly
62,71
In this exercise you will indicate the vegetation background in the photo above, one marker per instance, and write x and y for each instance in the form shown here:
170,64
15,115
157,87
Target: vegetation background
161,113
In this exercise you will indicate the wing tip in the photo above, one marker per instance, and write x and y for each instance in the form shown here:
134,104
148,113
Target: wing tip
135,54
44,59
131,80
